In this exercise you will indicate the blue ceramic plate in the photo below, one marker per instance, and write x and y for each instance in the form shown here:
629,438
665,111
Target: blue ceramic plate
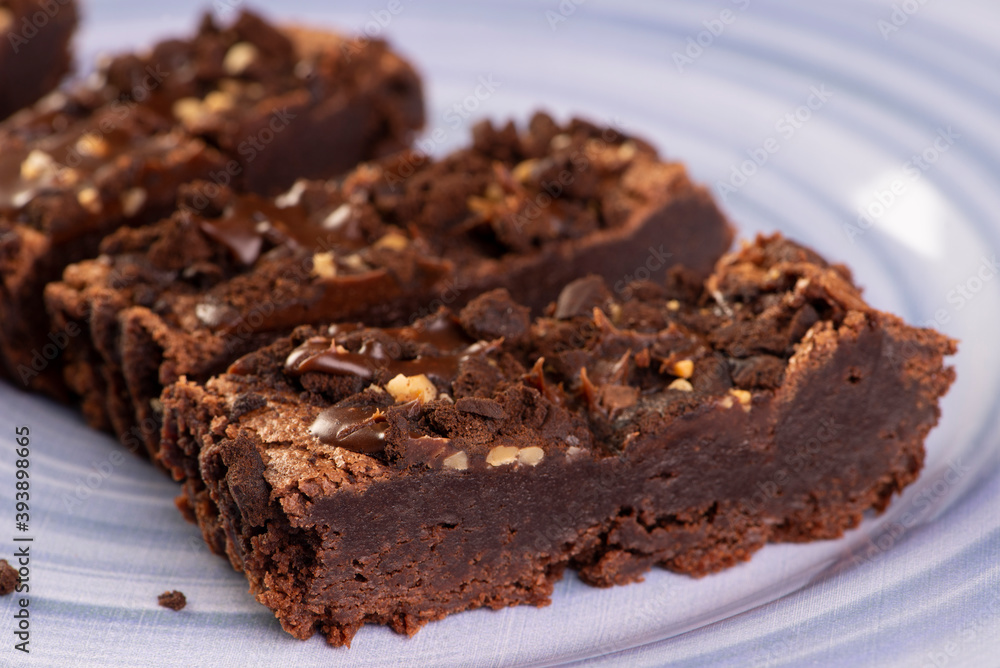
869,130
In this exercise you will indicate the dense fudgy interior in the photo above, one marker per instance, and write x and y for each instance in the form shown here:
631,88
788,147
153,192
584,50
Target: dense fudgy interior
360,475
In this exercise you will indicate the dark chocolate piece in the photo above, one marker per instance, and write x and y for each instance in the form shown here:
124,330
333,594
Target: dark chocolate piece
652,431
188,296
36,38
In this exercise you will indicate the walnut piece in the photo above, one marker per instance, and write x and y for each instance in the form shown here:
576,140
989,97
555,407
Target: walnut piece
239,57
681,385
132,201
324,266
531,455
683,369
410,388
458,461
501,455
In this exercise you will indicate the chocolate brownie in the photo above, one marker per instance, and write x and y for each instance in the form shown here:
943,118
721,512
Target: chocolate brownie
394,476
389,242
249,106
35,56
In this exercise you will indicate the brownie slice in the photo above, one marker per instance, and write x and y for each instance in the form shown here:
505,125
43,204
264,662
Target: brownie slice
36,54
390,242
394,476
249,106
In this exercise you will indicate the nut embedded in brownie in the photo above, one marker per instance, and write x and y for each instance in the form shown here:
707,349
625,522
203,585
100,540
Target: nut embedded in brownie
36,54
394,476
250,106
189,295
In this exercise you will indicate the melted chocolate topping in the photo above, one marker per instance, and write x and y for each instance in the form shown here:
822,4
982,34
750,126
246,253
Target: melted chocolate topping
356,429
250,219
442,334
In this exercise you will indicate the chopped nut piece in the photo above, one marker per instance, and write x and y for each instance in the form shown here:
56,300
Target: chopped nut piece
188,110
410,388
743,397
354,262
132,201
303,69
502,454
531,455
292,196
573,450
561,141
156,405
727,402
494,192
89,199
324,266
209,314
217,101
681,385
627,150
67,176
36,165
396,241
337,217
93,146
522,172
239,57
683,368
458,461
673,305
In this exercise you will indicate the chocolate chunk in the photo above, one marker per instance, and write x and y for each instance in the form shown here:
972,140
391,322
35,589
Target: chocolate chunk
495,315
480,406
758,372
581,297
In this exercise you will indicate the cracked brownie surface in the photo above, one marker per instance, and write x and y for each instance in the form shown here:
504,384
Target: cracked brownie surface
391,241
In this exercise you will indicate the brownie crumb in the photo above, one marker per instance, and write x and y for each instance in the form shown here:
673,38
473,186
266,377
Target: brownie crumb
8,578
494,315
174,600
